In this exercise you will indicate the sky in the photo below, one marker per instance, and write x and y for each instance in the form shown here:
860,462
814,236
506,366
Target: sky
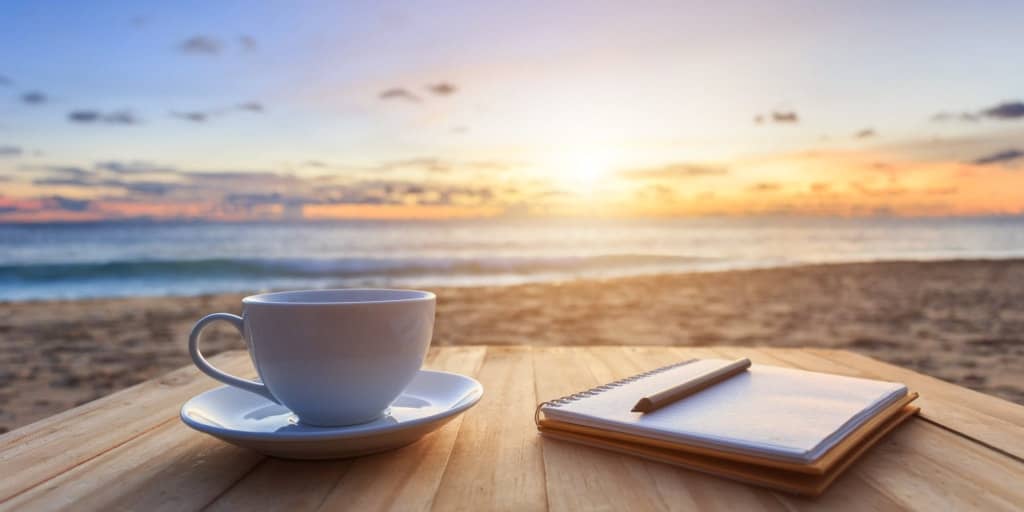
321,110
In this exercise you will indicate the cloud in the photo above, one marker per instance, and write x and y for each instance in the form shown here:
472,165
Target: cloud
152,188
64,182
820,187
148,188
785,117
366,192
252,193
200,45
234,175
1008,155
68,204
100,177
251,106
655,192
442,88
866,133
84,116
943,117
433,164
134,167
5,81
778,117
429,164
674,171
66,171
258,199
10,151
202,116
87,116
765,187
878,191
399,93
248,43
52,203
403,192
194,116
418,165
1006,110
121,117
33,98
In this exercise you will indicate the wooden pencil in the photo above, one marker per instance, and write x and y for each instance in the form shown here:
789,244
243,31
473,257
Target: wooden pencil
702,381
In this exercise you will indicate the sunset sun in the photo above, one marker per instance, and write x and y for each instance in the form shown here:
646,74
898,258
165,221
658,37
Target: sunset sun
583,169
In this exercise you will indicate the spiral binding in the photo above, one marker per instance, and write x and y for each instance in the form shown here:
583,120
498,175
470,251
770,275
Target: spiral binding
558,402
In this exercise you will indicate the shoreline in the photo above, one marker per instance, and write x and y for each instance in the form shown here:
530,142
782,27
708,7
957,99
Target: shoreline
711,269
958,320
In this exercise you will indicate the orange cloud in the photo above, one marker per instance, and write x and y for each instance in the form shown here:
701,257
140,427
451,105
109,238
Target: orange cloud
833,182
382,212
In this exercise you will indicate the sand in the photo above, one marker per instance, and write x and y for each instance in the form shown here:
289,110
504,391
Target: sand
962,321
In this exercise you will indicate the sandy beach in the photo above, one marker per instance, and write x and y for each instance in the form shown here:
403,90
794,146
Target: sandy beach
961,321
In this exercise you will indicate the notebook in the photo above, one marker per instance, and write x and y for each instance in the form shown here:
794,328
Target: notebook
806,426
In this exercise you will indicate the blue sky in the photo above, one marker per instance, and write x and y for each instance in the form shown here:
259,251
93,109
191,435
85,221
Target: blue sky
534,85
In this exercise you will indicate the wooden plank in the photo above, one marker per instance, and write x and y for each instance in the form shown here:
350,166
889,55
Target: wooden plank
43,450
494,461
497,462
929,468
987,419
170,468
140,476
980,402
404,479
280,484
919,465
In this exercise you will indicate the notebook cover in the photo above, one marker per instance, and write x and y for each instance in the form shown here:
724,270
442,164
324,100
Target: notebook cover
819,467
788,481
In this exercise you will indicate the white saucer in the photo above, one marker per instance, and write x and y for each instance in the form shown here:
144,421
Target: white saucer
251,421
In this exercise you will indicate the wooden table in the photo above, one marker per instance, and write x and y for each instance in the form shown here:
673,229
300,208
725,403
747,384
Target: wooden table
130,450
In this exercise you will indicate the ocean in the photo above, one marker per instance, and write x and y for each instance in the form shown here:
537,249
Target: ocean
144,259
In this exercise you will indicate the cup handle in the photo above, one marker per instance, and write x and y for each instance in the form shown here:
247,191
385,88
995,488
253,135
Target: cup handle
204,366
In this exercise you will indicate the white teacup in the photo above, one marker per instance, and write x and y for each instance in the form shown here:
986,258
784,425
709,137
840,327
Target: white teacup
333,357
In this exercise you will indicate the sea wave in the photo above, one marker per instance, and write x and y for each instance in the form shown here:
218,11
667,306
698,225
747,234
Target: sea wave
333,268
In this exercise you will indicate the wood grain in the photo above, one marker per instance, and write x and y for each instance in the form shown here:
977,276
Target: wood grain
496,463
413,472
45,449
169,468
492,458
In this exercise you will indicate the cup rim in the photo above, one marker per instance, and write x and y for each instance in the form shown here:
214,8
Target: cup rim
268,299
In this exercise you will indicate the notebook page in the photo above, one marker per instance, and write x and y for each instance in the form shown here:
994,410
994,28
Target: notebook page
769,411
